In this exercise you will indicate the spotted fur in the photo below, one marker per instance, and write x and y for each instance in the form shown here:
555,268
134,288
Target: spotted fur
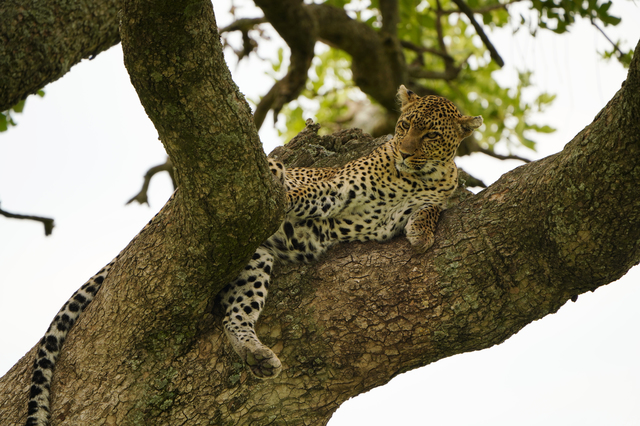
50,345
399,188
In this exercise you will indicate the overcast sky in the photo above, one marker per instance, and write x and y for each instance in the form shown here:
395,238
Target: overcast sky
79,154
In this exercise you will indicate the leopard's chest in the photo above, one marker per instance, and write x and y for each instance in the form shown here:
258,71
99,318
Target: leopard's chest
381,204
386,191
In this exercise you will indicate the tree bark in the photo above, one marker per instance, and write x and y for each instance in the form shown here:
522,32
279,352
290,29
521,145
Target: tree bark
40,41
147,350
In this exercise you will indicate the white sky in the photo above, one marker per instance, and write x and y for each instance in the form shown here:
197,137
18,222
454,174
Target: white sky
79,154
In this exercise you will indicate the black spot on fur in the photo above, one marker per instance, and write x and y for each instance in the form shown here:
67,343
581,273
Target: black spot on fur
288,229
51,344
45,364
35,391
38,378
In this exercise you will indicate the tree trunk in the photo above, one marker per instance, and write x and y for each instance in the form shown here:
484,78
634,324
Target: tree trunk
147,350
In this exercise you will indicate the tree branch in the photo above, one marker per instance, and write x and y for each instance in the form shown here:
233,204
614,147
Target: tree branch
244,24
41,41
447,75
368,52
292,21
485,9
615,46
47,222
421,49
141,197
416,70
500,156
390,17
464,8
179,99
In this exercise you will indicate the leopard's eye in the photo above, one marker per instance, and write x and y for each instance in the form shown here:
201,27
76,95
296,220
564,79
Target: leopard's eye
405,125
432,135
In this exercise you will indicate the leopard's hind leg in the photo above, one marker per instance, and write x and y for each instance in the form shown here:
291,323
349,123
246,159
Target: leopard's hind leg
243,300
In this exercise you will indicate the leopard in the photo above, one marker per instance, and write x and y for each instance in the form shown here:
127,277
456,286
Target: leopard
401,187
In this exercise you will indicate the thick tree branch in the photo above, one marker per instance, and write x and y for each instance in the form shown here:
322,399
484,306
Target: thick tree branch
47,222
41,41
174,78
368,51
390,17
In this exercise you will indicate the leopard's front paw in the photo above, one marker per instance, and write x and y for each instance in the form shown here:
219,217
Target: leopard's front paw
421,226
421,242
264,364
420,238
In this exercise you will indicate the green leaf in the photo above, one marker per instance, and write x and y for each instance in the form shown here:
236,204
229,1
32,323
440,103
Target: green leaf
19,106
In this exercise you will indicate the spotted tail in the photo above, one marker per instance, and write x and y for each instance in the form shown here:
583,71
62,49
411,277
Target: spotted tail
49,347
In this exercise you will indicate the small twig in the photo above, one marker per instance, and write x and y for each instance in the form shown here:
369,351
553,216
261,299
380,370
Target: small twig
469,180
615,46
244,24
421,49
503,157
47,222
451,71
464,8
141,197
443,46
485,9
449,74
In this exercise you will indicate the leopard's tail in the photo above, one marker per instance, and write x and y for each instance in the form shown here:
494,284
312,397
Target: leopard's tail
49,347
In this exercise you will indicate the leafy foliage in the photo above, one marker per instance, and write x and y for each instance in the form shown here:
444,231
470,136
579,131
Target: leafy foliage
558,15
445,55
507,115
6,118
325,96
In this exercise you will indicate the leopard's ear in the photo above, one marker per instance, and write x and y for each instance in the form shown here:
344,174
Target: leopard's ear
406,97
469,124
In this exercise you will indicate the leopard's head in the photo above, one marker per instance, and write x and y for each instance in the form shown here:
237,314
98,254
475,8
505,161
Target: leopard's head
429,129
